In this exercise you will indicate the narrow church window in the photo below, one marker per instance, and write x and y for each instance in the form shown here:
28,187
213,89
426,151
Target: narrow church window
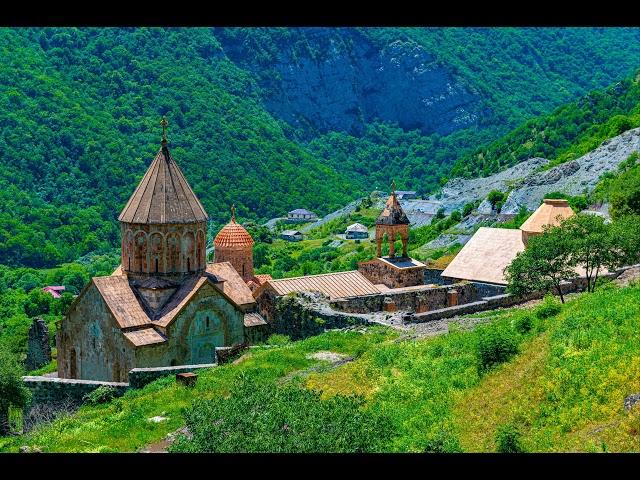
188,264
129,263
243,269
156,265
207,322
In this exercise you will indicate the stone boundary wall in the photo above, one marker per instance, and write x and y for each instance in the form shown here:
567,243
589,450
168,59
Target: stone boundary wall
47,390
418,300
434,275
496,301
139,377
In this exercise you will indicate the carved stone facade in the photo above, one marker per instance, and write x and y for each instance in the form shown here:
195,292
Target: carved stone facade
163,249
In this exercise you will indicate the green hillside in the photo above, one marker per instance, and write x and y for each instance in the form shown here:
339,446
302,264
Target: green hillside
79,110
547,378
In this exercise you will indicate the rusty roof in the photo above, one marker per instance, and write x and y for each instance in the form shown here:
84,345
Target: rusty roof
551,212
254,319
144,336
392,214
233,235
233,286
485,256
334,285
163,196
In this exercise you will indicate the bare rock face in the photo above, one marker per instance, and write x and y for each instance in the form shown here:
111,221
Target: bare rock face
530,184
38,349
336,79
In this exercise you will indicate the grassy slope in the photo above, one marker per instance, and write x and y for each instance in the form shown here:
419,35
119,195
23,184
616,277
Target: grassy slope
564,389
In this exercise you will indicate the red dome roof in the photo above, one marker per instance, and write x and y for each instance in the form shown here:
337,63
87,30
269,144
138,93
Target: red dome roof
233,235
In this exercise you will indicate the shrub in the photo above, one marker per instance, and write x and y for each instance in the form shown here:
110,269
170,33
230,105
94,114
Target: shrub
102,394
443,442
508,439
278,339
496,345
523,324
548,308
264,417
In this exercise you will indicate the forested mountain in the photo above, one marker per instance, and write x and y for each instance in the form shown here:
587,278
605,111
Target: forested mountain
270,119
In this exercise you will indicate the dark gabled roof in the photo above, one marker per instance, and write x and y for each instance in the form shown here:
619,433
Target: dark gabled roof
392,213
302,211
163,196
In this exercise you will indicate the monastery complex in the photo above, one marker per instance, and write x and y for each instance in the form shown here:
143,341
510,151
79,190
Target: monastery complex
166,306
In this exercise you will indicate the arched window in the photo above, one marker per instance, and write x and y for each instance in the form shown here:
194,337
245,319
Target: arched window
156,265
188,264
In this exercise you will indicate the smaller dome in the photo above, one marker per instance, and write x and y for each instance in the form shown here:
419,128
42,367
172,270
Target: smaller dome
233,235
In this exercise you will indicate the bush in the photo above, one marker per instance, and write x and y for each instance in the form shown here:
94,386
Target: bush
548,308
496,345
264,417
102,394
443,442
278,339
523,324
508,439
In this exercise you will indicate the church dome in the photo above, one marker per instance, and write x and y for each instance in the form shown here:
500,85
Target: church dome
233,235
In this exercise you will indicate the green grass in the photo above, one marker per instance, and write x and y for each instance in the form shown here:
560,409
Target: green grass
563,390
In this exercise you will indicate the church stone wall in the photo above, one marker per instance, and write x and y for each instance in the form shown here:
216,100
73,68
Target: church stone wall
240,257
377,271
208,321
91,345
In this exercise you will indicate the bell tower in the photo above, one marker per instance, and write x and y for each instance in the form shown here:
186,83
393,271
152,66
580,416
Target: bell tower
392,222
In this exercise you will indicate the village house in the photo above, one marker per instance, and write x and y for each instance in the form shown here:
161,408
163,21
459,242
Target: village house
55,291
301,215
406,194
356,231
291,235
164,305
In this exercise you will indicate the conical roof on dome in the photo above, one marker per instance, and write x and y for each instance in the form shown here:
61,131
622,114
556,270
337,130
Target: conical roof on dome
163,195
392,213
233,235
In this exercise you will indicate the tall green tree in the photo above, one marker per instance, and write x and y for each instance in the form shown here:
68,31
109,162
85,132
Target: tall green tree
544,265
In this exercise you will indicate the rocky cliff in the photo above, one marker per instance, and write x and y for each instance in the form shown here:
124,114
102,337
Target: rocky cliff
528,183
336,79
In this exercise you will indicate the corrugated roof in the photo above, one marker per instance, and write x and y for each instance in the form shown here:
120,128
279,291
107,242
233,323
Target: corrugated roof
144,336
291,232
233,286
486,255
163,196
334,285
547,214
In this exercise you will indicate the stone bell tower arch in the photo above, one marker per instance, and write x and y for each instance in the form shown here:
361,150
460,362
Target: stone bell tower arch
394,223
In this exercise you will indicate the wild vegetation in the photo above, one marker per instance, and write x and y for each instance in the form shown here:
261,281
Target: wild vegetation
548,378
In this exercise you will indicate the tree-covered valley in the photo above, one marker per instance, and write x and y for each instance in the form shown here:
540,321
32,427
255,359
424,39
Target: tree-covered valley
80,111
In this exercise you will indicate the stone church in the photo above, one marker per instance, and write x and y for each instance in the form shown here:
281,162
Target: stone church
164,305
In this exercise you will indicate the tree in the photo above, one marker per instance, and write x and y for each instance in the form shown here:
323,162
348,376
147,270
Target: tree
12,389
624,194
543,265
592,245
626,234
